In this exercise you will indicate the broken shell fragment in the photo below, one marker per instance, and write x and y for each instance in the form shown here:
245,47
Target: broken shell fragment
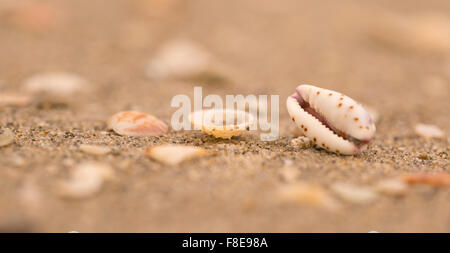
95,149
427,32
353,193
221,123
428,131
131,123
86,180
394,187
178,58
171,154
331,120
55,83
6,137
434,179
308,194
15,99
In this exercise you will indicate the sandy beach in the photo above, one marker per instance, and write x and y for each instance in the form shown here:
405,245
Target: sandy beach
383,54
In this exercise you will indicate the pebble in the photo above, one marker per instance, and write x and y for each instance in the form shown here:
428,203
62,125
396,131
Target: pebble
393,186
301,142
433,179
14,99
85,180
178,58
95,149
6,137
308,194
131,123
171,154
353,193
56,83
428,131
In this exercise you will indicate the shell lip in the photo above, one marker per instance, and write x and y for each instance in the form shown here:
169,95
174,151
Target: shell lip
199,118
360,144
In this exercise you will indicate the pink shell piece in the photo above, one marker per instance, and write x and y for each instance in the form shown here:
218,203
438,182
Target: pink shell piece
131,123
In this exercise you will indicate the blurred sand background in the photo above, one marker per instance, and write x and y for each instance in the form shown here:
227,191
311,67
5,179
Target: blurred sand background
390,55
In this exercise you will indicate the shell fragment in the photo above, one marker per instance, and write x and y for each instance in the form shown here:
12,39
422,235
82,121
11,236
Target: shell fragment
131,123
221,123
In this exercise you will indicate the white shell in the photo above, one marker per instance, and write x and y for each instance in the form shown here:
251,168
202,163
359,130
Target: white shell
205,120
172,154
340,111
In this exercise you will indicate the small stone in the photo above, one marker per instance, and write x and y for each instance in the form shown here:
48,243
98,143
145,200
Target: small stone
85,181
179,58
301,142
353,193
131,123
308,194
95,149
428,131
433,179
6,137
424,157
394,187
174,154
14,99
56,83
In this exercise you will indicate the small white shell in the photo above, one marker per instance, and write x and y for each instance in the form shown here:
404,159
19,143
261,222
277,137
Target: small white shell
428,131
172,154
212,122
56,83
340,112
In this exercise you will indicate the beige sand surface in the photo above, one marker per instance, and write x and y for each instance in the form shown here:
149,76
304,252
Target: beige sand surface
258,47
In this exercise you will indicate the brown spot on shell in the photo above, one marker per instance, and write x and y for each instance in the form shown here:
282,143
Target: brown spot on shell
340,104
367,127
360,127
315,139
351,107
318,93
331,94
302,126
356,119
341,98
293,119
306,129
323,144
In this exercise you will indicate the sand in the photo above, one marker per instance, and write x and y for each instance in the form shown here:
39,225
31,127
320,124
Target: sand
258,47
